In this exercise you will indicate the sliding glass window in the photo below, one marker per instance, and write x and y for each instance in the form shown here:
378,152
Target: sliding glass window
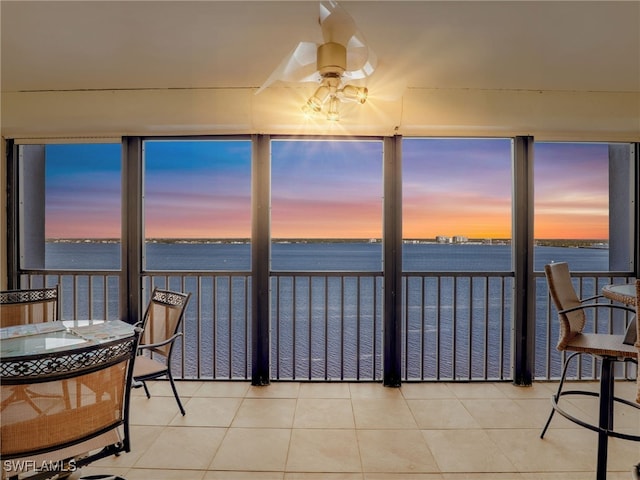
583,205
197,204
457,204
70,199
326,205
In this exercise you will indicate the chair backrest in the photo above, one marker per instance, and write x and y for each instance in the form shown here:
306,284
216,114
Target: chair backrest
163,317
564,296
69,412
22,307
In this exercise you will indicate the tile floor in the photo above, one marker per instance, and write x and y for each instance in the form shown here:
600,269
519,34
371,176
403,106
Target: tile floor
364,431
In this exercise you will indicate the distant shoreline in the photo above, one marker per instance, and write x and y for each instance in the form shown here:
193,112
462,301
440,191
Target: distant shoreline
569,243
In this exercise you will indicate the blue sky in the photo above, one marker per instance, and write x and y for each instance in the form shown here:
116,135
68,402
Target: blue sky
325,189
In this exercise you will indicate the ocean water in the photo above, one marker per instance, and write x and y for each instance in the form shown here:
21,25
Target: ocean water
314,256
333,330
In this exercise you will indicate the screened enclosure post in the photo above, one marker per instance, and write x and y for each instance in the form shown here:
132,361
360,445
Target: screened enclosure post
392,267
260,259
524,305
11,225
132,224
622,181
636,207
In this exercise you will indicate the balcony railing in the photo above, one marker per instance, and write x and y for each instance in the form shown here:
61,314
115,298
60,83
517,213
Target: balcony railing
327,326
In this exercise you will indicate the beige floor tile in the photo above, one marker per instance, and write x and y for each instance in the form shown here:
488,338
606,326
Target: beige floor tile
275,390
208,412
482,476
466,451
573,475
222,389
324,413
624,414
306,431
153,411
539,411
324,390
441,413
402,476
322,476
561,449
623,454
320,450
163,474
227,475
265,413
626,389
182,448
382,413
506,413
162,388
142,437
395,451
537,390
95,469
476,390
253,449
430,390
373,390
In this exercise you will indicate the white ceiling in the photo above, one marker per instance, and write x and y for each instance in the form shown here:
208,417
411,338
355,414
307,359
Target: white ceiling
543,45
180,67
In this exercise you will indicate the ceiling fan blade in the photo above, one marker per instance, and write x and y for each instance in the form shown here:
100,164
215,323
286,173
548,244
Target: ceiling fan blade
336,24
361,60
298,66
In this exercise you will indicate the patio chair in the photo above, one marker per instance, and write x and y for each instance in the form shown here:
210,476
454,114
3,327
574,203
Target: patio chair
22,307
161,324
607,348
65,436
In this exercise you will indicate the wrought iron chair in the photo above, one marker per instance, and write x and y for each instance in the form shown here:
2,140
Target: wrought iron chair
161,324
21,307
607,348
65,436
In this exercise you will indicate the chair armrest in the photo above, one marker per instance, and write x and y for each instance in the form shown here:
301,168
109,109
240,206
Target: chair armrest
588,299
160,344
598,305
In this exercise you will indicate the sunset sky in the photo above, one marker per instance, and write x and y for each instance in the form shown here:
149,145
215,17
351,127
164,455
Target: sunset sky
328,189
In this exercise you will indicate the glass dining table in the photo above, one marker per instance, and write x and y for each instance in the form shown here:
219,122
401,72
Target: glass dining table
623,293
36,349
53,337
54,371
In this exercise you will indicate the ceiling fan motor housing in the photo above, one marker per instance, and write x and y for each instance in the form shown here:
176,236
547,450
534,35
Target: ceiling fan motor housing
332,59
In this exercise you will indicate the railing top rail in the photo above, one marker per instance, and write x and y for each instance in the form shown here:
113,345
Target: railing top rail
64,271
459,274
602,274
196,273
317,273
326,273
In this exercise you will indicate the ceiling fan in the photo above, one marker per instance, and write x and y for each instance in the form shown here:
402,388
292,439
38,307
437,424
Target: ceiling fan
343,56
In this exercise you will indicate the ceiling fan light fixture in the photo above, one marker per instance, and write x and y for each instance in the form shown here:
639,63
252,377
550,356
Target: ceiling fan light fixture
320,96
333,114
355,94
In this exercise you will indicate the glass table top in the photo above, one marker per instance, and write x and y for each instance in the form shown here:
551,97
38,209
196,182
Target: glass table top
49,337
